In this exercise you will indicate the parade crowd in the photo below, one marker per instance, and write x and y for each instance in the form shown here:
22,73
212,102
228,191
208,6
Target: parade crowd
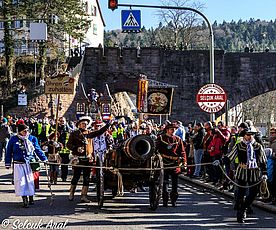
211,152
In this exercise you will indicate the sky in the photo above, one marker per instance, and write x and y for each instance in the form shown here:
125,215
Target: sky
215,10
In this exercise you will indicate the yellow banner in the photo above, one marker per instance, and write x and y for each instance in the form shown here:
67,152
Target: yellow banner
142,105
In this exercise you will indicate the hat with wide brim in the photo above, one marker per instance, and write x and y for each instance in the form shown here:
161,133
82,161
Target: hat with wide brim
85,118
171,126
243,125
250,131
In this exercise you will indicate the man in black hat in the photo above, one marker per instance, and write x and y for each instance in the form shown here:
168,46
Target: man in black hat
251,169
172,150
81,144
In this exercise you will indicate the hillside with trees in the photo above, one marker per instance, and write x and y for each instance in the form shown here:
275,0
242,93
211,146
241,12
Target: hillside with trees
257,35
231,36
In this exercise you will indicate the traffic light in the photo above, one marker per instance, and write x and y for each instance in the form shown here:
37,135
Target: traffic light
112,4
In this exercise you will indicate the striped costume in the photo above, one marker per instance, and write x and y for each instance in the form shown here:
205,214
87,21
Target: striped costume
243,172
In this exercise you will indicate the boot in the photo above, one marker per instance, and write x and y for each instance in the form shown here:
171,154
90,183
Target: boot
241,213
72,192
84,198
165,197
173,196
241,216
51,177
25,201
31,200
55,176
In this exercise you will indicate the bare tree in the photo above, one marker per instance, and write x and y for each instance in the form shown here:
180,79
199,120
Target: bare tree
179,26
261,109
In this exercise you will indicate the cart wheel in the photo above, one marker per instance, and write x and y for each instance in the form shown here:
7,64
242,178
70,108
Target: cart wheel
100,183
156,183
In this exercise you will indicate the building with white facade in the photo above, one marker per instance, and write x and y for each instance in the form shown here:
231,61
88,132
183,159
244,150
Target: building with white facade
95,34
93,38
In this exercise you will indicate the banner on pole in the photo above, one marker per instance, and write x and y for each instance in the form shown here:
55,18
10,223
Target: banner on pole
159,100
142,95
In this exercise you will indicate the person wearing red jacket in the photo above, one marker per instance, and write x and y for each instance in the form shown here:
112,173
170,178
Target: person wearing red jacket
215,151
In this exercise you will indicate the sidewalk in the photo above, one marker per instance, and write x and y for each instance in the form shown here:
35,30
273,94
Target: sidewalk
257,203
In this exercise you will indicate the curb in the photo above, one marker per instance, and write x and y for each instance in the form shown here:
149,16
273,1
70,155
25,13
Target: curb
259,204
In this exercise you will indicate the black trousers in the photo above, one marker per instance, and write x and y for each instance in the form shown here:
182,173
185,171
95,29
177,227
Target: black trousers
64,168
174,178
242,202
84,170
215,171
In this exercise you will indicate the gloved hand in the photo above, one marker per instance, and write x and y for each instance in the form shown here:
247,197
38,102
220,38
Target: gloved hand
216,163
264,177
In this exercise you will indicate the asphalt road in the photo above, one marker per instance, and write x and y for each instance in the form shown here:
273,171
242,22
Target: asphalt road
196,209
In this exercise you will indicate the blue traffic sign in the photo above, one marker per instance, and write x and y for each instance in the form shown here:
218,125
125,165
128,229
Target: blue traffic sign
131,20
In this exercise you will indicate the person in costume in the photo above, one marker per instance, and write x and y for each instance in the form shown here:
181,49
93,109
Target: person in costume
251,169
80,142
172,150
22,149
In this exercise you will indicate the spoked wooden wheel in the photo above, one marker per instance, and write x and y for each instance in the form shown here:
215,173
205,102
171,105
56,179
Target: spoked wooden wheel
100,183
156,182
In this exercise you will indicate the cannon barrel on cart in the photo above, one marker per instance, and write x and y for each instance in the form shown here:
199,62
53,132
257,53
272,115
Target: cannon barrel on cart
134,163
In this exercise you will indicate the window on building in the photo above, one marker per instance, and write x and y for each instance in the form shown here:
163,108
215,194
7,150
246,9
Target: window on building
80,107
95,29
93,10
18,24
86,7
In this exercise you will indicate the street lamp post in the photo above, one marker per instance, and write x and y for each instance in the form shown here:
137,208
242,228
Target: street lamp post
211,34
35,70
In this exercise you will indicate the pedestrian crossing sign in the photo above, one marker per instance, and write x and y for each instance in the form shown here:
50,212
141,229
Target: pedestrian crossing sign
131,20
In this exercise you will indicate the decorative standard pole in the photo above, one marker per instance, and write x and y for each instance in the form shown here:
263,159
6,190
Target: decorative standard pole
212,75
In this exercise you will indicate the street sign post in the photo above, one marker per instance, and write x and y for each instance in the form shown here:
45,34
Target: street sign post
211,98
131,20
60,84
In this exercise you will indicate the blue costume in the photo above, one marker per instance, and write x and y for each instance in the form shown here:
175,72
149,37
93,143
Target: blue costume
22,150
16,150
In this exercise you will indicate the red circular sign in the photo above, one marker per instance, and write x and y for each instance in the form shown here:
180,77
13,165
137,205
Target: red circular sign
211,98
